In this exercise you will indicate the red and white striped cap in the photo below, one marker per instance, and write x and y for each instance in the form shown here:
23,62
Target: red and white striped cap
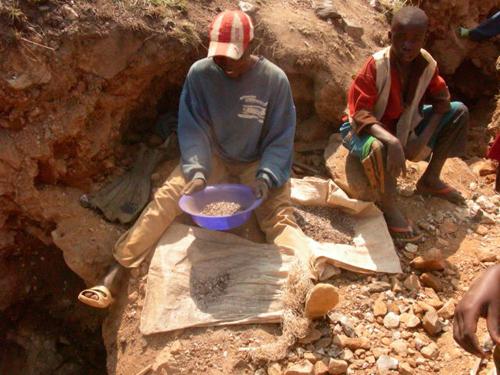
230,34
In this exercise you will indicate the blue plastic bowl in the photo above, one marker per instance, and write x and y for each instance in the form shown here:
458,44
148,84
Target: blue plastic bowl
242,194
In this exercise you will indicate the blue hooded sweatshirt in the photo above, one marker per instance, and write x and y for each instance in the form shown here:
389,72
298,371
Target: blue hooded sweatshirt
245,119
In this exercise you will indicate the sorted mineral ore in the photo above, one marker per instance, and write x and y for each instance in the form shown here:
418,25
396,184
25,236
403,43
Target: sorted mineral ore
222,208
325,224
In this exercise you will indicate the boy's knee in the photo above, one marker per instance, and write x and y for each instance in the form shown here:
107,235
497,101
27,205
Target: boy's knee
460,109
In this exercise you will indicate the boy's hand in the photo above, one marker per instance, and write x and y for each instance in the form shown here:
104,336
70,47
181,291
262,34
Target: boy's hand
193,186
396,161
260,188
482,299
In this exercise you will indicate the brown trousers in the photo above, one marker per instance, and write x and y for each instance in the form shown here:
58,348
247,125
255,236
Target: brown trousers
273,215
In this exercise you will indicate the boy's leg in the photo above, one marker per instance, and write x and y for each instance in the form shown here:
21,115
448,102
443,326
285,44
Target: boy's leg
276,212
449,141
487,29
134,245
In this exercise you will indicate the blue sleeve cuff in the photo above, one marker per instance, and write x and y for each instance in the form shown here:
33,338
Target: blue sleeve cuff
199,175
266,177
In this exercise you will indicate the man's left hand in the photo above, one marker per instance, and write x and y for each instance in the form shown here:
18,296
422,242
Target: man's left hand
260,188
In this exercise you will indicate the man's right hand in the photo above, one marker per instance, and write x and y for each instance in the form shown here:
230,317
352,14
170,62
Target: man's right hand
396,161
196,184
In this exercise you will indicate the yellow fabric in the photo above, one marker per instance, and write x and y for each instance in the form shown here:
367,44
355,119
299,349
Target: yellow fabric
274,215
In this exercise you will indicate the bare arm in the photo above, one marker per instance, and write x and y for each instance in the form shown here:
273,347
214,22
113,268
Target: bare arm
482,299
395,154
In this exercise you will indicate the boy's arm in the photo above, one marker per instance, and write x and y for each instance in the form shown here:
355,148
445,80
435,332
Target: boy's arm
277,145
482,299
193,132
361,101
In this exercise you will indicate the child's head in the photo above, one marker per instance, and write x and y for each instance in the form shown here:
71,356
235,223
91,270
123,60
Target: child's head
408,33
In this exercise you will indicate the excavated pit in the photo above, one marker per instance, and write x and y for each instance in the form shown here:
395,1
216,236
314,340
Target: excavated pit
73,114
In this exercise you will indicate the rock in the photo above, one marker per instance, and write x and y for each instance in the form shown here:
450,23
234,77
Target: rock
411,248
320,368
482,230
486,204
260,371
397,285
430,351
379,308
312,336
337,366
321,299
400,347
378,287
428,279
386,364
487,256
483,167
323,343
431,322
312,357
422,264
352,343
355,32
327,12
448,227
448,310
405,369
391,320
347,326
412,283
274,369
69,12
347,355
302,368
410,320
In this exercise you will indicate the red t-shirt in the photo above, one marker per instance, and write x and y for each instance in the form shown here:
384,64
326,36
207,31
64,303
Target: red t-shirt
363,94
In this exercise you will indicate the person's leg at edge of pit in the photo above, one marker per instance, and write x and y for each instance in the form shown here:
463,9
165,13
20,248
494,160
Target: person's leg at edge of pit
135,244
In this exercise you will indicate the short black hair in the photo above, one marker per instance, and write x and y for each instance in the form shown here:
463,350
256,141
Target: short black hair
410,16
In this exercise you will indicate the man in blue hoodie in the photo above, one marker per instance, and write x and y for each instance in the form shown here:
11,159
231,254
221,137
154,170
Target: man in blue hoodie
236,119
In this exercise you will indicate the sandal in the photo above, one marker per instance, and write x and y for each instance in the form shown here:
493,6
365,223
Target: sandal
405,234
104,298
448,193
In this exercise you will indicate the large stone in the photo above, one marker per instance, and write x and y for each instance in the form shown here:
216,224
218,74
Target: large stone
386,364
431,322
312,336
352,343
428,279
379,308
448,309
430,351
274,369
320,368
301,368
391,320
410,320
412,283
320,300
337,366
400,347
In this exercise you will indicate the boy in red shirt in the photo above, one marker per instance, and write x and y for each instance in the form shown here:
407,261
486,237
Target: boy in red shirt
399,108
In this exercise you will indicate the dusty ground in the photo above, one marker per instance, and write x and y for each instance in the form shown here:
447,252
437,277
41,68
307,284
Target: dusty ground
81,84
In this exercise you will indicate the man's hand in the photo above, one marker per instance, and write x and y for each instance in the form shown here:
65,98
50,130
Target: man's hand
396,162
482,299
260,188
193,186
